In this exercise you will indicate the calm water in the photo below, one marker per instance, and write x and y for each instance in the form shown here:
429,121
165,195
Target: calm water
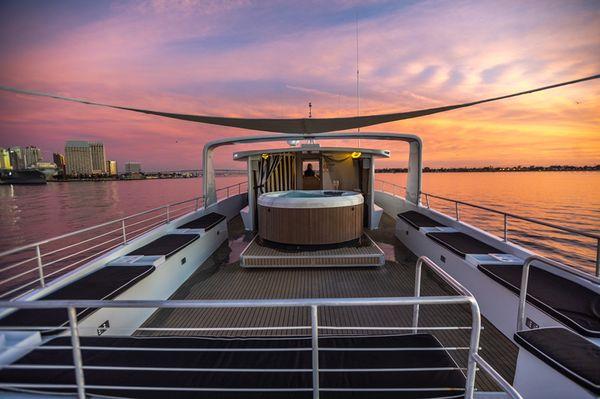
32,213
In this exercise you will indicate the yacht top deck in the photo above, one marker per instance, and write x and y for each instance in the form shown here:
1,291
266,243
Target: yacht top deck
222,278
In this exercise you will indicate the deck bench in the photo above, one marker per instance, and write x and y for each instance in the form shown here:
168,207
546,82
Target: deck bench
565,300
167,245
566,352
104,284
287,358
462,244
205,222
418,220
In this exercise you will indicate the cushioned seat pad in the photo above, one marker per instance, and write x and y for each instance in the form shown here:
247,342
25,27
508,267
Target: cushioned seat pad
418,220
166,245
565,351
205,222
288,358
565,300
462,244
105,283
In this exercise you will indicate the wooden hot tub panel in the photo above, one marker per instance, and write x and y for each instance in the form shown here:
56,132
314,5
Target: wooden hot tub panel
310,226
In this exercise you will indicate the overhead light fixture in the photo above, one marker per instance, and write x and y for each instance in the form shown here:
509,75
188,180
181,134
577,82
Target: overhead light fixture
356,154
293,143
265,156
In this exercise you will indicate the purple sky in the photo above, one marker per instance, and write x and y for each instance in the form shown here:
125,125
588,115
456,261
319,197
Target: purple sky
269,59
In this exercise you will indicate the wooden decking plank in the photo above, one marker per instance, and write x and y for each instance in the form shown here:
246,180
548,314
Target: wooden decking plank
230,281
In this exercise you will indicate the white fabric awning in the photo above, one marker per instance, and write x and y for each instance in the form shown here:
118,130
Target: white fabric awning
302,125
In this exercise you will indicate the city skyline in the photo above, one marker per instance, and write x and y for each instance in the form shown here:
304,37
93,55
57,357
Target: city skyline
248,60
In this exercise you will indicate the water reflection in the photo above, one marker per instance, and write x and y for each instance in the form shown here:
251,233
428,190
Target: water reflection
33,213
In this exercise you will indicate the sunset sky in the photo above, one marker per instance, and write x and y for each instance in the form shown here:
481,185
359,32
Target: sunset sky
269,59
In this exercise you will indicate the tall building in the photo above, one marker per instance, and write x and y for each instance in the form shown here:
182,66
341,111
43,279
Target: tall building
31,155
98,158
5,159
111,168
61,165
133,167
24,157
78,156
17,158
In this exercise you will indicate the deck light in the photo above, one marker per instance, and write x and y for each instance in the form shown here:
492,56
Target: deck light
356,154
265,156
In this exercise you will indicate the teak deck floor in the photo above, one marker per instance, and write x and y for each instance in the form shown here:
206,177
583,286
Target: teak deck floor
365,254
221,277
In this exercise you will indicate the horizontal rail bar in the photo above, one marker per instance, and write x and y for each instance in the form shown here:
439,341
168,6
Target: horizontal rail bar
230,370
268,303
307,349
512,215
80,242
524,218
86,229
506,215
16,276
158,388
18,264
505,385
190,389
82,251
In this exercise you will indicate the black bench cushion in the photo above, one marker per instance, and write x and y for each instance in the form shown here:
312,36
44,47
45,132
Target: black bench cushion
462,244
166,245
205,222
452,379
105,283
565,300
565,351
418,220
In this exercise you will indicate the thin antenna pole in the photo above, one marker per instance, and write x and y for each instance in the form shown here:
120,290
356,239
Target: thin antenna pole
357,79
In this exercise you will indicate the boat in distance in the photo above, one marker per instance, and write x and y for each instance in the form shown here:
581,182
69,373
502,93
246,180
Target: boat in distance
299,282
25,176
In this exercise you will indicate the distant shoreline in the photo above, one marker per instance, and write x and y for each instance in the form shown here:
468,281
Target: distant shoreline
491,169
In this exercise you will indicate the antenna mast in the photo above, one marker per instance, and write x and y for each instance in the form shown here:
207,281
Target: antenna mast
357,78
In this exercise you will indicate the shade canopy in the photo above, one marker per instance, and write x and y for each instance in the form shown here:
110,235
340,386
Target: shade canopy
299,125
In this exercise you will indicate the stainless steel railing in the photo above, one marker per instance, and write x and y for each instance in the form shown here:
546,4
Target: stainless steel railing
396,190
24,268
312,304
525,284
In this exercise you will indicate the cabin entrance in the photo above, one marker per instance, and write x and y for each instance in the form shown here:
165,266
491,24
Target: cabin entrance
311,174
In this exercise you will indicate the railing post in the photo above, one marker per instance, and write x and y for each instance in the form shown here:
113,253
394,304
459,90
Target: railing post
227,193
415,321
598,258
38,254
197,203
523,294
314,317
456,208
505,227
427,200
473,346
77,359
168,213
124,231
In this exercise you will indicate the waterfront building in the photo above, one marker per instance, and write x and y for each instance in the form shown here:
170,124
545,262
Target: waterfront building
133,167
78,156
111,168
5,159
31,156
17,160
98,157
61,165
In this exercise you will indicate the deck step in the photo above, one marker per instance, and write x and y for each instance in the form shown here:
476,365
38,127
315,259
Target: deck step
367,254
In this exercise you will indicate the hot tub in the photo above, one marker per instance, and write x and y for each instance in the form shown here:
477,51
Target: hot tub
310,217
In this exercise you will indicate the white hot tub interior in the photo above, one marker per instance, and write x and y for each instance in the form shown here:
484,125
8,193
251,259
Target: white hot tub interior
310,199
